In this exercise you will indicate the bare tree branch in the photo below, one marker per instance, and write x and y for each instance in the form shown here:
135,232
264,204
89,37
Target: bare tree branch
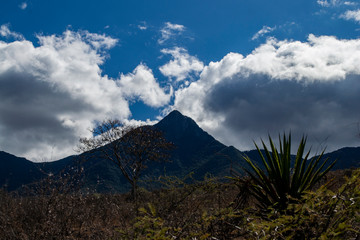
129,148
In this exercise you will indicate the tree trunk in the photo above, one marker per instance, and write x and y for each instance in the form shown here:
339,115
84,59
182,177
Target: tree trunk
133,190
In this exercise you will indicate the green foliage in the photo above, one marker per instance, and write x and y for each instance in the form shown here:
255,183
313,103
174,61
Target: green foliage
149,225
184,208
279,184
217,225
323,214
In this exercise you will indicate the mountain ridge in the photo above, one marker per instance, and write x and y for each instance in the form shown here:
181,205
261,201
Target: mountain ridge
196,151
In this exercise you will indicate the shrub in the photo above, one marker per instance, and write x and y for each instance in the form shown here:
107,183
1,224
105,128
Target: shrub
279,183
322,214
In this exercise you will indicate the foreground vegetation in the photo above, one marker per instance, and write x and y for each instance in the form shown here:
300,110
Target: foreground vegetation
201,210
285,198
283,182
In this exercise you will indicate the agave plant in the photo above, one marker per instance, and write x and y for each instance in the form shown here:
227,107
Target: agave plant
283,178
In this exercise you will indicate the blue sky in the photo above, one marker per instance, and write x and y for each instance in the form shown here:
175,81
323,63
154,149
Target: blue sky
241,69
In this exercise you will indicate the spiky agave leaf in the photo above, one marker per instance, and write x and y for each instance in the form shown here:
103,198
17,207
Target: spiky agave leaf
276,183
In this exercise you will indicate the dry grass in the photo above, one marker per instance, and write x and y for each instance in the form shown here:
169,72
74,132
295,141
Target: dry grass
53,210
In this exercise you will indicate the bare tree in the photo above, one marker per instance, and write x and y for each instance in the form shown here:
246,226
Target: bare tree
128,147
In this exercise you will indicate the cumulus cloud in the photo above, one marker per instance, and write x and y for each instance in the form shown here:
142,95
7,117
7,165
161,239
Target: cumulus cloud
142,84
352,15
170,30
304,87
181,65
262,32
50,95
7,33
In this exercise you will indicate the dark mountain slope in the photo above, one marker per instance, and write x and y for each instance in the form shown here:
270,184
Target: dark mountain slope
193,146
348,157
16,171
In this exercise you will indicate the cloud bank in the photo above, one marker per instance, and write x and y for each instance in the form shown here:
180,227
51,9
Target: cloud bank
52,94
307,87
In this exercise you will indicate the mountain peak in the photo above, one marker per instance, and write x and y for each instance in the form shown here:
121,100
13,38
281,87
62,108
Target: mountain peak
175,115
182,130
192,144
175,112
178,124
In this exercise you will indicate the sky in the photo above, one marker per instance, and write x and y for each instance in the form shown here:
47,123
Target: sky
242,70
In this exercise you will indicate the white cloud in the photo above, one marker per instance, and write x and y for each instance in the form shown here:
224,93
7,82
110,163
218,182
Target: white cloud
331,3
307,87
323,3
143,26
5,32
323,58
52,94
23,6
352,15
262,32
139,123
141,83
348,3
335,3
182,64
99,41
170,30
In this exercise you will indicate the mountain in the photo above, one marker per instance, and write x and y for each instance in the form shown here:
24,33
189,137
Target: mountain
16,171
195,151
193,146
348,157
